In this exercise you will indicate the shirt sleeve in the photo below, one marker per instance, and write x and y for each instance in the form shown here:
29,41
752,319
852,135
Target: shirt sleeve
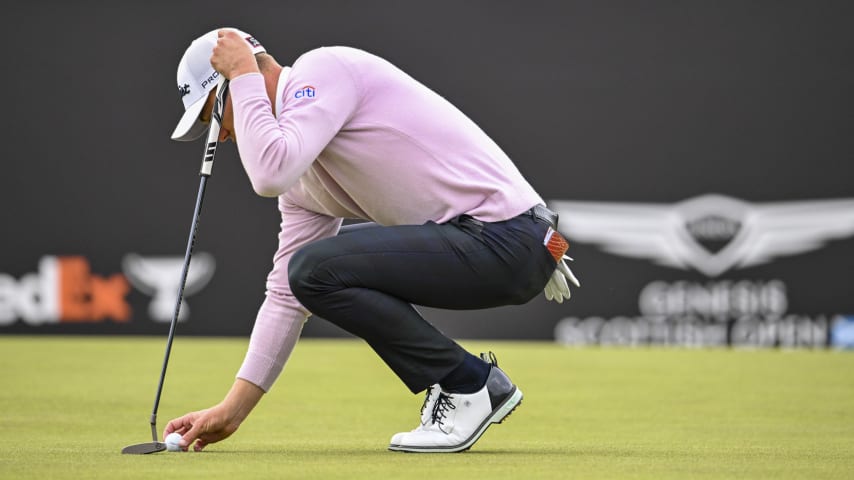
281,316
320,96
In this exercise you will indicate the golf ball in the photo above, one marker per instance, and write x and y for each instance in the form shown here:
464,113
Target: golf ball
173,442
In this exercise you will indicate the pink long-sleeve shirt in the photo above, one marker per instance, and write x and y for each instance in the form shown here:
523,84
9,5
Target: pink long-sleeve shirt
352,136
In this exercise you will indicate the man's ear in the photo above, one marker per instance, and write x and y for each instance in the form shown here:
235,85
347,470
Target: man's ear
205,114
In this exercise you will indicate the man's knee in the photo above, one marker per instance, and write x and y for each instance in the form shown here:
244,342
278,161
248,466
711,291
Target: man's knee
302,276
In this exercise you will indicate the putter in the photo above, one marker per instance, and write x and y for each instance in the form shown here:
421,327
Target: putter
155,445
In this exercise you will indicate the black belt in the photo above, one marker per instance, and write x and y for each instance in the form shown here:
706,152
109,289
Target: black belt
538,212
543,215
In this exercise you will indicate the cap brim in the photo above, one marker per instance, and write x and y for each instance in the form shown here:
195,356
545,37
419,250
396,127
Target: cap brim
190,127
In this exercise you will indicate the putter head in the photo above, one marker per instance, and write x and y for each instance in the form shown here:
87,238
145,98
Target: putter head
144,448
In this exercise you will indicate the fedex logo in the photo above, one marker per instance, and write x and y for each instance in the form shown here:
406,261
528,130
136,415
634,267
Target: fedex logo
63,290
306,92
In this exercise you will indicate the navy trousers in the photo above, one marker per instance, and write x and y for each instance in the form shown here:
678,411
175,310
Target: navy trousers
368,280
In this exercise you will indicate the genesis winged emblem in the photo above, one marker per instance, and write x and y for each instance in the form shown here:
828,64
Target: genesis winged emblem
680,235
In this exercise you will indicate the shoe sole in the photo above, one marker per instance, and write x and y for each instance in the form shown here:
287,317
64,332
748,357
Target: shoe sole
500,413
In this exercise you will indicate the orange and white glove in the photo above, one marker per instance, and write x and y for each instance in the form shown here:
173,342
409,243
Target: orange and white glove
558,289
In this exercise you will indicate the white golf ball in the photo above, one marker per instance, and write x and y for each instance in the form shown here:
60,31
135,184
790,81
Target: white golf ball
173,442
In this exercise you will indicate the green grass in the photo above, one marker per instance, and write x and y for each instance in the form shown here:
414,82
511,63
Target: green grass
69,404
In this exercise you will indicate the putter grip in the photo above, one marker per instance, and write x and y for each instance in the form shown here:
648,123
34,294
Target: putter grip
213,130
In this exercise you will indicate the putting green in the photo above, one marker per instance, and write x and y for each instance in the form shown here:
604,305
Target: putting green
71,403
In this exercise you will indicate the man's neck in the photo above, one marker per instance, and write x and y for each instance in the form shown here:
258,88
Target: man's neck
271,73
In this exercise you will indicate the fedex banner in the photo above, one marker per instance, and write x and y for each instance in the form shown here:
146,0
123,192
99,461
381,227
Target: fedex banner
699,157
64,290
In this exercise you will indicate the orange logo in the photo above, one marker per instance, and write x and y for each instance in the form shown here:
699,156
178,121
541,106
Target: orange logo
64,290
84,297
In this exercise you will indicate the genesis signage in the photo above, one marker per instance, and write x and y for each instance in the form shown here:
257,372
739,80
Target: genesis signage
713,235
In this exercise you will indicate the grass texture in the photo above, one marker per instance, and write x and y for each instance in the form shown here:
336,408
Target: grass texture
69,405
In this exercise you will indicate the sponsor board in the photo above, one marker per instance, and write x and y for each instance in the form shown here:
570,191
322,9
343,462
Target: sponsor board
64,290
713,236
842,332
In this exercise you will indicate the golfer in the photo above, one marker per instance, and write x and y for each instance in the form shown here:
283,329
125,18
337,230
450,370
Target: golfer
343,134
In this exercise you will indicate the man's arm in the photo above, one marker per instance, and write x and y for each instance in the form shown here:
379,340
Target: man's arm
218,422
276,331
280,319
275,152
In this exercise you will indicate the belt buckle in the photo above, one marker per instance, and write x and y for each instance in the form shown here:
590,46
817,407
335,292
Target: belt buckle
543,213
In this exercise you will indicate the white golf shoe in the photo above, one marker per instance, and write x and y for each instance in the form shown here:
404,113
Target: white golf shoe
453,422
426,411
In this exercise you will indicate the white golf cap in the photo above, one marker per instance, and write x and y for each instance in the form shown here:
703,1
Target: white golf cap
197,78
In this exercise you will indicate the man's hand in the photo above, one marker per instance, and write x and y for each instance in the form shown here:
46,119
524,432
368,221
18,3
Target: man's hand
218,422
203,427
232,55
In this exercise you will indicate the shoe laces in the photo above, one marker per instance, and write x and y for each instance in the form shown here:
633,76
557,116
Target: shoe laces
440,410
489,358
426,399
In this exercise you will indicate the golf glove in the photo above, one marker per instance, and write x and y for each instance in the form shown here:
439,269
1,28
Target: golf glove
558,289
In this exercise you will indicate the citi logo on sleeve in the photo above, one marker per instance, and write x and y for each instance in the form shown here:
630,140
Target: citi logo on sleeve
64,290
710,233
184,90
307,91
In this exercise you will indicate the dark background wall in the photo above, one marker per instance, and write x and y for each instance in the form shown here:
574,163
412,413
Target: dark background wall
656,101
